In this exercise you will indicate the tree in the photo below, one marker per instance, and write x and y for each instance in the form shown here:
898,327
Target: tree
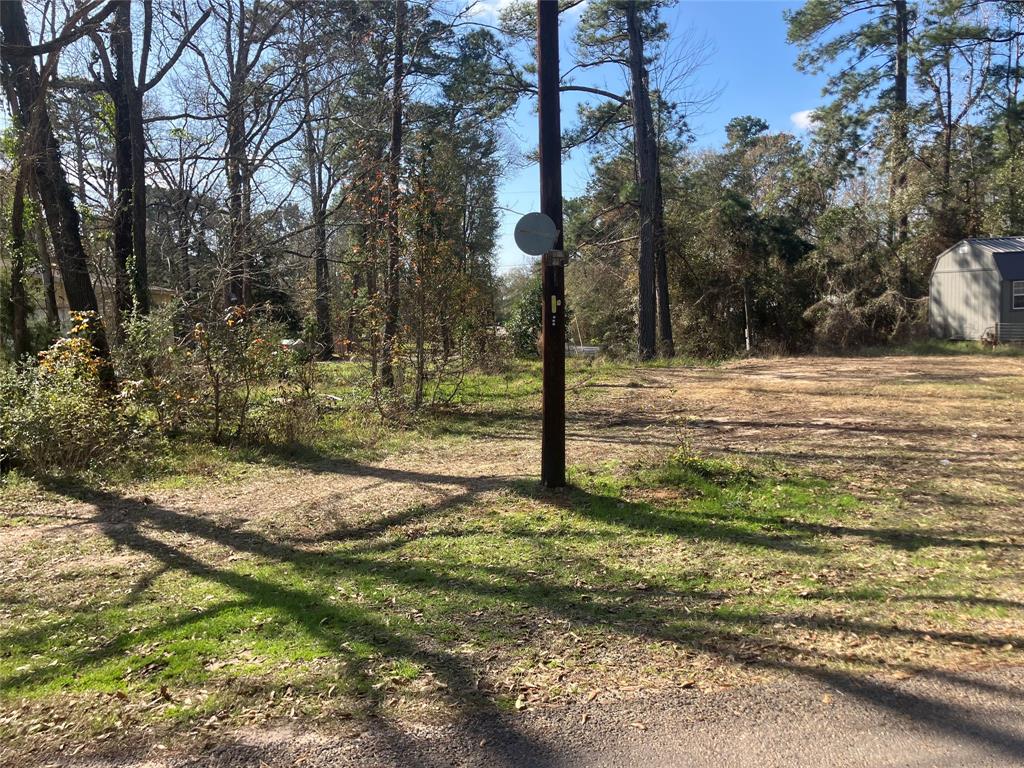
25,87
870,86
126,90
616,32
392,281
325,62
248,91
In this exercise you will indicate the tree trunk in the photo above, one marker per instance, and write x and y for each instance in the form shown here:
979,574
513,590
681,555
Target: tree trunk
353,317
392,299
901,148
132,274
747,332
182,240
119,90
247,255
318,206
46,171
18,309
46,267
235,286
645,146
140,263
667,346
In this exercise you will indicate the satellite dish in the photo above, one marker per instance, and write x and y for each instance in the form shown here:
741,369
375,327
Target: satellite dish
536,234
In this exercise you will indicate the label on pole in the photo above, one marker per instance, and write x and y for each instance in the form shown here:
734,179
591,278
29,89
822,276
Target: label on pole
536,234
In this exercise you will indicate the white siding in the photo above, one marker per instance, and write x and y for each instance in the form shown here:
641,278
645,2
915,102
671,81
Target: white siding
965,297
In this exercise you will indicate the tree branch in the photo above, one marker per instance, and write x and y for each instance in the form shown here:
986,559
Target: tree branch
182,45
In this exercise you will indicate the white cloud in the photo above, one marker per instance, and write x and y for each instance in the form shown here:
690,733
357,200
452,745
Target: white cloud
489,10
803,120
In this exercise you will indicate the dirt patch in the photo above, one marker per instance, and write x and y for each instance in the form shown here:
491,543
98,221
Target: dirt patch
348,551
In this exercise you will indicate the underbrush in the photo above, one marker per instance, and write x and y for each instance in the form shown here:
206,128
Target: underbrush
226,383
225,398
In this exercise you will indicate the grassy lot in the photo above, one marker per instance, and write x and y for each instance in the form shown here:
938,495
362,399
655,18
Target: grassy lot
423,574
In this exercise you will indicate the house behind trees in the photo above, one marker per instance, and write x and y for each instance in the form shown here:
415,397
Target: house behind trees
977,290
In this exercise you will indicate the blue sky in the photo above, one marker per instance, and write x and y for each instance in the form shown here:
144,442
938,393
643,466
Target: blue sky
750,63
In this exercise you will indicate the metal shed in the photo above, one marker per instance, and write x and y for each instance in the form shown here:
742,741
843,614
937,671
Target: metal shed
977,290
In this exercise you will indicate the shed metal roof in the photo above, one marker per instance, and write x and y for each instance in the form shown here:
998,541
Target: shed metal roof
997,244
1010,264
986,248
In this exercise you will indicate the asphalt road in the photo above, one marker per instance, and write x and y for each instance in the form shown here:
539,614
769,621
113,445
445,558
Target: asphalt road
932,720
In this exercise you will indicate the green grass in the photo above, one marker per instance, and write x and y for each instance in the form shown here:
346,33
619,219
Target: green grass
512,597
694,571
940,347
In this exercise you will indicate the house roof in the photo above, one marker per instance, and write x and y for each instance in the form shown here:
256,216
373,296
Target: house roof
1010,264
975,251
994,245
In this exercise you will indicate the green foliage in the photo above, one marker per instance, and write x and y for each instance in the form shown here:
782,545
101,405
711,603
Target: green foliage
228,381
59,416
524,320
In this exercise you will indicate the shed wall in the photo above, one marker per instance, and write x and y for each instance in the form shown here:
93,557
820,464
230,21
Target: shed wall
963,304
1012,319
964,257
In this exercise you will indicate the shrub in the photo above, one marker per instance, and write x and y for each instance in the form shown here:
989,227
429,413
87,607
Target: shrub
524,322
59,415
844,321
227,379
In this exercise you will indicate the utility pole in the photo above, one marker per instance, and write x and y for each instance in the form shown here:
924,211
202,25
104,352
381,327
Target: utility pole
552,451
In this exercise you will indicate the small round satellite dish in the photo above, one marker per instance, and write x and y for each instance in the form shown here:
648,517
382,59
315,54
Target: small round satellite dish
536,234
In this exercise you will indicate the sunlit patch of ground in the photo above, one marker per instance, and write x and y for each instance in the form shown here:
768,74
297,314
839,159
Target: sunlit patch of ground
726,524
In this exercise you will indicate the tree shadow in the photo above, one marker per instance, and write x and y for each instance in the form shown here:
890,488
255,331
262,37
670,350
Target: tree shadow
631,610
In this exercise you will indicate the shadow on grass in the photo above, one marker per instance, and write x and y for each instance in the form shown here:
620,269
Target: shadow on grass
177,540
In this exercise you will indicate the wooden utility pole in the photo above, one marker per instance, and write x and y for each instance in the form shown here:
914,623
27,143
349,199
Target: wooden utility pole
552,470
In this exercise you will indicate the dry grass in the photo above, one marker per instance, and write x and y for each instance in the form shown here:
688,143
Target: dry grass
850,515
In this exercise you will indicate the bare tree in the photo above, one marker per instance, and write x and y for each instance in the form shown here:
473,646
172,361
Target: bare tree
127,89
25,86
